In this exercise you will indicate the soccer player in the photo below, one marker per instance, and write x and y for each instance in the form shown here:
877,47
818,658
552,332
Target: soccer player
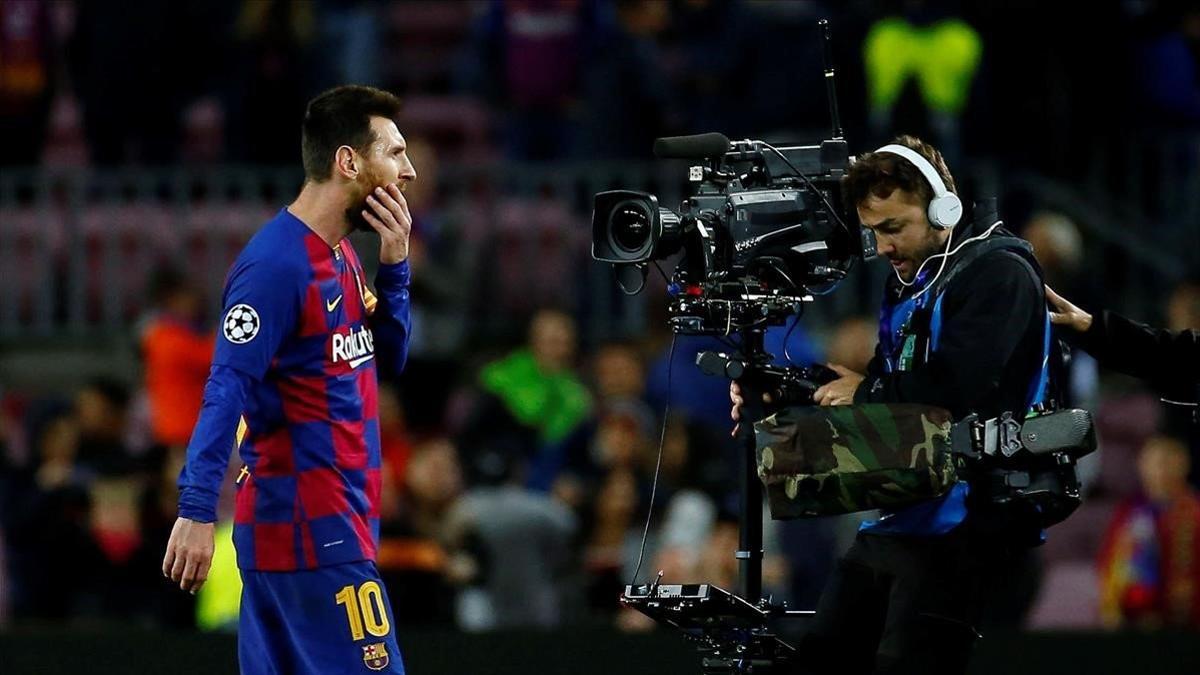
296,360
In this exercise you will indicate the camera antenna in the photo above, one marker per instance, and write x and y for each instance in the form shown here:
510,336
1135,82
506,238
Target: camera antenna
830,87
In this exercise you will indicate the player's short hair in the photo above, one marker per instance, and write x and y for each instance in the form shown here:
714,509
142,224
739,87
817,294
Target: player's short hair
341,116
880,174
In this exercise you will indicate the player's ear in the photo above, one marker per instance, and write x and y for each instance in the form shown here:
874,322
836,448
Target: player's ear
346,162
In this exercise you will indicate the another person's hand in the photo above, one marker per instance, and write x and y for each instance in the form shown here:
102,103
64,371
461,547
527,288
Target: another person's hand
1064,313
390,217
189,554
840,391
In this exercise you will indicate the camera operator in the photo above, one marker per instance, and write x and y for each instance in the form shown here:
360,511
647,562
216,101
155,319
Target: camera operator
964,327
1168,359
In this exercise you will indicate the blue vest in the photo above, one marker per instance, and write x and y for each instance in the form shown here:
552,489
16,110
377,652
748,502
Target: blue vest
909,331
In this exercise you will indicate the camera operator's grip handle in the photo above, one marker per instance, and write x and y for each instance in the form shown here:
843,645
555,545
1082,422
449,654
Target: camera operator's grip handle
799,389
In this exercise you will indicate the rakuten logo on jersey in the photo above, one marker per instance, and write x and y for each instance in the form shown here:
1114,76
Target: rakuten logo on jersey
355,347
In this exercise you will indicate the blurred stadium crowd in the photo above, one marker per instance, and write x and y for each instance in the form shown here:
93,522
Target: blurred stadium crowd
144,143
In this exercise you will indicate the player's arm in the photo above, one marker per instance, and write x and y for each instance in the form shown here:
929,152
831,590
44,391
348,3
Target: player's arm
387,212
261,308
190,548
986,316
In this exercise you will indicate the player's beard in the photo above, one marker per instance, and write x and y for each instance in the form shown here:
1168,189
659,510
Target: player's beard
354,214
364,186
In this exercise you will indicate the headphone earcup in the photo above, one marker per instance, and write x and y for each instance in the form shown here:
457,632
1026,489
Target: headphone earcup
945,211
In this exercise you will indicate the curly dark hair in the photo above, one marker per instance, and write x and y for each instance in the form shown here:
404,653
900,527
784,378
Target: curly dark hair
882,173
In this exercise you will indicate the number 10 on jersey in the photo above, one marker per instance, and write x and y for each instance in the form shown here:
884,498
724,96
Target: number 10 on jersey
364,609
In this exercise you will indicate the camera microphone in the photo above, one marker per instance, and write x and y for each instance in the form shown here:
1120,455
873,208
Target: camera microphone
698,146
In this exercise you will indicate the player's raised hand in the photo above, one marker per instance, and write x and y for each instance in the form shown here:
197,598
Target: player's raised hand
189,554
387,212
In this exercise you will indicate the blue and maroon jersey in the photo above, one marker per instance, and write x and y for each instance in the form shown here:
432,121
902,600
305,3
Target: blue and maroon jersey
300,326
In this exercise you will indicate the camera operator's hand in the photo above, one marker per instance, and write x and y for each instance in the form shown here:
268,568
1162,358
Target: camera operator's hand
840,391
735,397
1064,313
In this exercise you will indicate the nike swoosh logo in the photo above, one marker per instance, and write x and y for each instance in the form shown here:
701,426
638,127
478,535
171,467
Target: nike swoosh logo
361,360
331,305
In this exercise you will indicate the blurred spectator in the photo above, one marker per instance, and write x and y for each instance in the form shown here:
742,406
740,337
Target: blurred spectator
126,579
628,61
1058,247
791,345
517,546
714,57
349,40
159,54
446,258
611,540
27,79
203,132
415,546
618,373
273,40
526,57
1169,65
46,521
1183,307
102,408
570,468
528,400
852,343
689,391
1150,560
1183,314
177,352
396,448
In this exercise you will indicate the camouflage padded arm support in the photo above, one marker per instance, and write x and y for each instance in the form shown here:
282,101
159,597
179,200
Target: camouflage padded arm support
818,461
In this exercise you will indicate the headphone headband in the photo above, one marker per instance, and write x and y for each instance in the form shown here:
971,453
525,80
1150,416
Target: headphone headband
945,209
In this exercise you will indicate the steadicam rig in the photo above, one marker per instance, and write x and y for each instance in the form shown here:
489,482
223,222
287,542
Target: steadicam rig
762,232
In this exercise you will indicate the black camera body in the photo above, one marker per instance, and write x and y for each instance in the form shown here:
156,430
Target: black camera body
762,230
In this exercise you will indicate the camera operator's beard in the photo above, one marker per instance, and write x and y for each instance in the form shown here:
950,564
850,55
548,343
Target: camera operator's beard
931,246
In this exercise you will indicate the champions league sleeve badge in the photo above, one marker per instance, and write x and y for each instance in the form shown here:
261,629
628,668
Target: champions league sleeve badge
241,324
375,656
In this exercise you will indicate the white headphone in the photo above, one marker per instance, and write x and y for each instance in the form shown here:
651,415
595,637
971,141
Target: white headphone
945,209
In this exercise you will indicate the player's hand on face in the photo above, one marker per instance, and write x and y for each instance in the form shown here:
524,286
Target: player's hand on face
840,391
189,554
387,212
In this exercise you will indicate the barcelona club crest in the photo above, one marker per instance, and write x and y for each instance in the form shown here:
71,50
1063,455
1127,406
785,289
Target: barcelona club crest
375,656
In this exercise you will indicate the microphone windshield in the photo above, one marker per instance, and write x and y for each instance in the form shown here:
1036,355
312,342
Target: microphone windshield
699,146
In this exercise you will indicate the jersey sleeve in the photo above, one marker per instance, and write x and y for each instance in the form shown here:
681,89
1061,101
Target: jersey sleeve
213,440
390,320
260,309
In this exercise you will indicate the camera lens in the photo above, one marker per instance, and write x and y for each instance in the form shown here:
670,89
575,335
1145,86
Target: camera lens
630,226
